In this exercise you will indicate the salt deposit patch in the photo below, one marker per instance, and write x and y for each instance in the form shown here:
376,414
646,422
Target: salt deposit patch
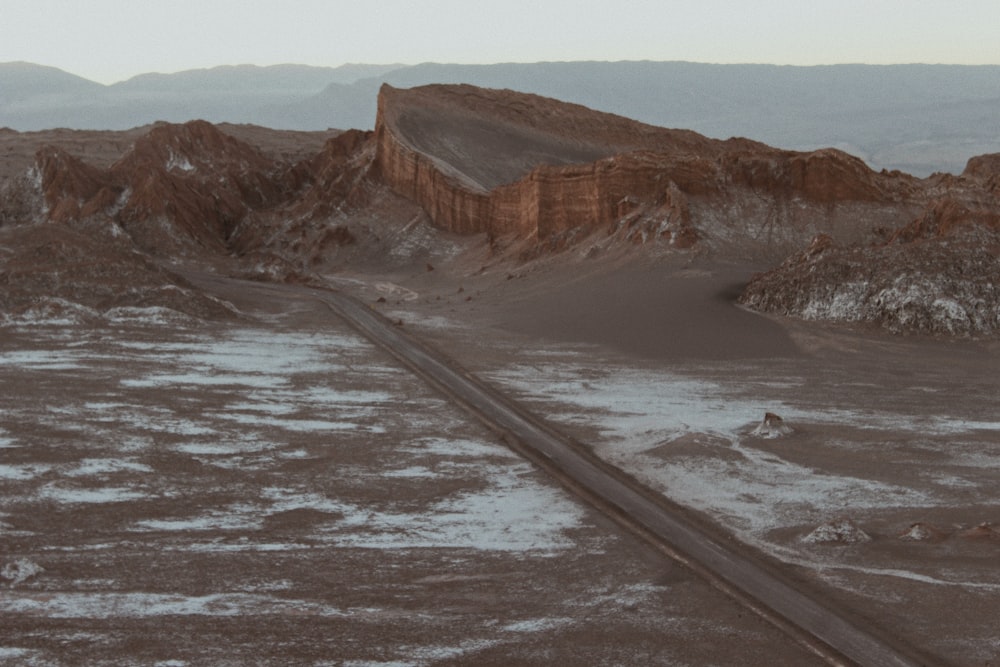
334,396
180,162
153,316
426,321
263,405
635,409
640,410
318,395
247,358
98,406
157,380
23,471
412,472
301,425
51,312
20,654
235,518
97,467
89,496
147,605
513,514
629,595
537,625
267,352
459,448
226,447
427,655
52,360
284,499
953,481
761,492
21,570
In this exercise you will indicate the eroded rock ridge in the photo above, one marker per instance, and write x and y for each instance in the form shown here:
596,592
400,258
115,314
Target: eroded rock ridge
532,175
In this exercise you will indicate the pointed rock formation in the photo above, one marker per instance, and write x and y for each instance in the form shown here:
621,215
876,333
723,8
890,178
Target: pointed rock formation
985,531
178,190
771,427
923,532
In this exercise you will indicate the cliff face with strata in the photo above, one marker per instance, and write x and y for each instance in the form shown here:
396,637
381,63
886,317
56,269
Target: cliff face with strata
563,168
908,254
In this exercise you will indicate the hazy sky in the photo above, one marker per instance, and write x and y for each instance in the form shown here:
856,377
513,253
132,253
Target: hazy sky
111,40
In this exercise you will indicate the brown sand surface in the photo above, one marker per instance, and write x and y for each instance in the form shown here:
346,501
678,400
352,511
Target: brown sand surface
650,362
644,310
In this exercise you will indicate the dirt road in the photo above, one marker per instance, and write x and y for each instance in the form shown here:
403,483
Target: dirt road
827,631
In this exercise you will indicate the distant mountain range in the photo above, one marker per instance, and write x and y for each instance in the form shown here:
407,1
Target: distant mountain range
916,118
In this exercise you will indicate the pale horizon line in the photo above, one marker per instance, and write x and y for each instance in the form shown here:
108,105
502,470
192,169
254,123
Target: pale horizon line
401,65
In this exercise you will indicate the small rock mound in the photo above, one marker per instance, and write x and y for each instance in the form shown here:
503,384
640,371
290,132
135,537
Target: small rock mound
922,532
772,426
984,531
838,531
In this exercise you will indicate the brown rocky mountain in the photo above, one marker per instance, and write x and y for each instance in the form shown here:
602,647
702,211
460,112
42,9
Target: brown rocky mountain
530,174
564,168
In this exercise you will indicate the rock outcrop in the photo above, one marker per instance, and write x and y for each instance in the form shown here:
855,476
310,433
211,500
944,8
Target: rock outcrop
908,254
503,163
183,188
840,531
934,275
55,270
179,190
771,427
912,255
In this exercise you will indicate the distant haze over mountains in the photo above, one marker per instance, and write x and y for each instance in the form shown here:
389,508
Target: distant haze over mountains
916,118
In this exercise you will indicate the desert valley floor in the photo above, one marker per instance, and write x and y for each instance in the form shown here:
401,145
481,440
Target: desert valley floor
277,490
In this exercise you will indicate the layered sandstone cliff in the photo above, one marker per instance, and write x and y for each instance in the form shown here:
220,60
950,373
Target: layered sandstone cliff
501,162
909,254
508,163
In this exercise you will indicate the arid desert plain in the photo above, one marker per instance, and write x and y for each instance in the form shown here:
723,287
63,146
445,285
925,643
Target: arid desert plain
202,463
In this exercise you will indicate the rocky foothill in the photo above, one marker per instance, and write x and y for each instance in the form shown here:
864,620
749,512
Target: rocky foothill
96,218
96,233
935,275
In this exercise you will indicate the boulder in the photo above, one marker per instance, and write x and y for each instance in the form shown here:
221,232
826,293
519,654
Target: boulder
772,426
838,531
